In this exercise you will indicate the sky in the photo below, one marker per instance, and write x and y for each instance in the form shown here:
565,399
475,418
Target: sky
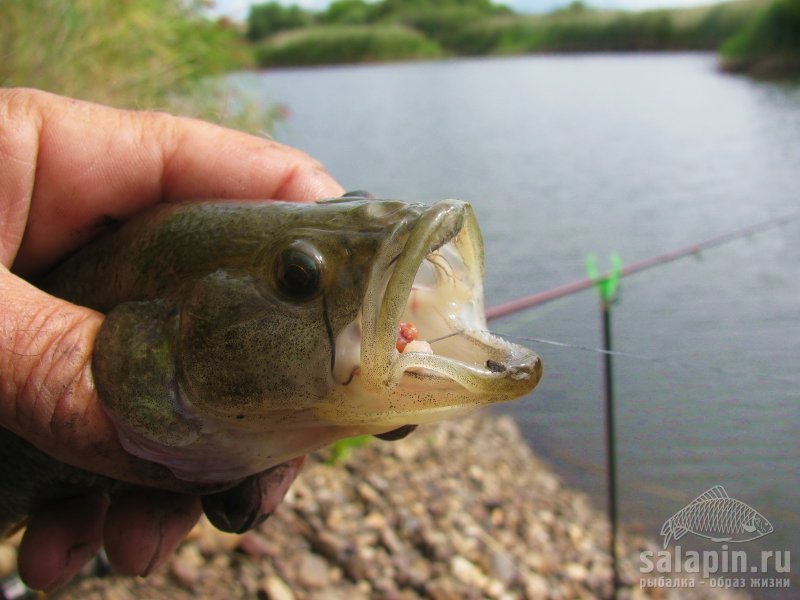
238,9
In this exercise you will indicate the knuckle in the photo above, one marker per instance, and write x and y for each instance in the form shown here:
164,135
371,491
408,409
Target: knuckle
49,367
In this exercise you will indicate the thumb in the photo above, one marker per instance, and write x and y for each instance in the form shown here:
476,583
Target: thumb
47,394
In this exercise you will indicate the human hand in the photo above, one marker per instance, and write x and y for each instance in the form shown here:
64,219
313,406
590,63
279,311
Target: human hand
66,169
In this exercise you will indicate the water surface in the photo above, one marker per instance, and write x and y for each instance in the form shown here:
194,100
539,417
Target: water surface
562,156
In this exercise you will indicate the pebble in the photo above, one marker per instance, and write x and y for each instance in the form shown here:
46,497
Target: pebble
460,510
467,572
256,545
277,589
503,567
575,571
312,571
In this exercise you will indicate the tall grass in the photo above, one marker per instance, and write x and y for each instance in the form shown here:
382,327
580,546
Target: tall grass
132,53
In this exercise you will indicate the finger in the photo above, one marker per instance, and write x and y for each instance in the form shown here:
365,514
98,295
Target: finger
143,529
82,164
47,392
60,540
251,502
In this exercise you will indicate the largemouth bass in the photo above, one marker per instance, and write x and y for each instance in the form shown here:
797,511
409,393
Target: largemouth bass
239,335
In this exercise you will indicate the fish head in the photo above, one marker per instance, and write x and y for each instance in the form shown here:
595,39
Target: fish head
759,524
273,331
427,272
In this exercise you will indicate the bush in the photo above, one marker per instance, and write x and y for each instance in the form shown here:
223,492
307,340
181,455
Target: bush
349,12
266,19
774,34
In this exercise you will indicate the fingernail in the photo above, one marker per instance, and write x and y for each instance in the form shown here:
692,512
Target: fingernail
172,528
250,503
234,510
77,557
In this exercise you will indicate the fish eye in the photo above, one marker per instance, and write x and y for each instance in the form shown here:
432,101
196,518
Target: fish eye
298,272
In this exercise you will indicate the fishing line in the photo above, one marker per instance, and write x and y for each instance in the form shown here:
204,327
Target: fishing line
652,359
659,360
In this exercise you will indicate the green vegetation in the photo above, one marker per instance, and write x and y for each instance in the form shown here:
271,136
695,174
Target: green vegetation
341,450
770,44
402,29
386,30
137,53
269,18
163,53
345,44
582,30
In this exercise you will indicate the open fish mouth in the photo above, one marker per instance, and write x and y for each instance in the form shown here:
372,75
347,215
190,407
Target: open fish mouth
424,344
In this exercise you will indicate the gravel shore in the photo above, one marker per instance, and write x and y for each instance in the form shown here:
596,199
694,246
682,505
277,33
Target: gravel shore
457,510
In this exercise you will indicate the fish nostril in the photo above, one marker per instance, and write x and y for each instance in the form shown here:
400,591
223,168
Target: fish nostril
495,367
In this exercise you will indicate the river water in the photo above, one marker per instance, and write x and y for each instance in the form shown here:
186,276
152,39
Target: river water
639,154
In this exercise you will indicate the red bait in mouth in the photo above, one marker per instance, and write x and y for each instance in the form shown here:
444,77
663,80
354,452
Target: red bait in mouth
406,333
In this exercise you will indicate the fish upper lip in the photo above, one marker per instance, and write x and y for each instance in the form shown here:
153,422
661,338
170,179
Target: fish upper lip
441,227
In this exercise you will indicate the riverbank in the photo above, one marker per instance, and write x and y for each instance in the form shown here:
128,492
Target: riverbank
757,37
386,31
458,510
769,46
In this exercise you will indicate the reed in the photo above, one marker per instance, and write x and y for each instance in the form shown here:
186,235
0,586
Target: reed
155,54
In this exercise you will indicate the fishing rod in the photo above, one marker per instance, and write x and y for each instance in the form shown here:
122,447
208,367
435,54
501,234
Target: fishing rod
512,306
606,286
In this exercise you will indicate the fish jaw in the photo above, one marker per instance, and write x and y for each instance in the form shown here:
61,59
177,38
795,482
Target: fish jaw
434,280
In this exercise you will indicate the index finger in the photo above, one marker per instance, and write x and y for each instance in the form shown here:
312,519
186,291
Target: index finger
83,165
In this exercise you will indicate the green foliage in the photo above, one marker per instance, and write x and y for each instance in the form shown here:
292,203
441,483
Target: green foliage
349,12
272,17
345,44
137,53
342,449
425,28
769,44
580,29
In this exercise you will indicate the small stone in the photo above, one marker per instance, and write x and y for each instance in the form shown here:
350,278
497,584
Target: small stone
442,589
375,520
312,571
416,574
256,545
575,571
536,586
575,532
468,572
276,589
503,567
390,540
211,540
332,546
185,571
367,493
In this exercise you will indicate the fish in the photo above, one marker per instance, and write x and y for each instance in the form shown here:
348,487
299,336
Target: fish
716,516
241,334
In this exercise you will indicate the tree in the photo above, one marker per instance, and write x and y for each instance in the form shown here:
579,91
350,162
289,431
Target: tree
271,17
